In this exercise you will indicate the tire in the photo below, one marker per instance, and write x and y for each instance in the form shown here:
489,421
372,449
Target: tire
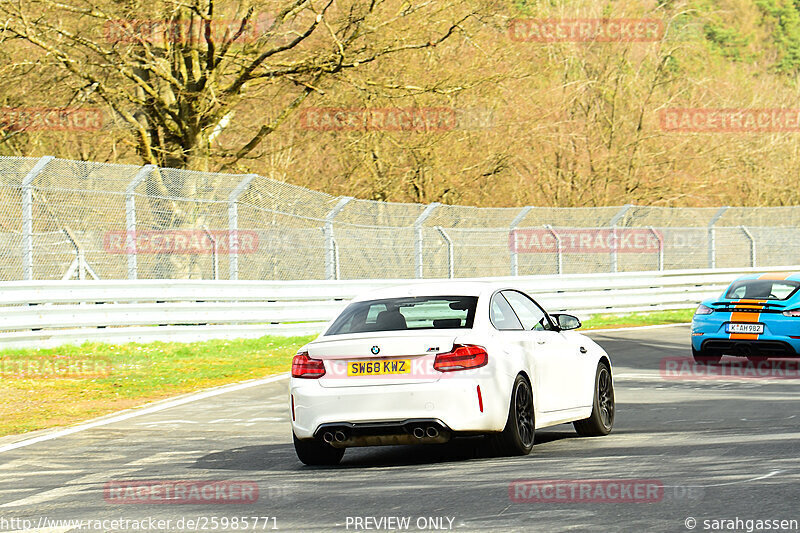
601,420
518,434
314,452
703,359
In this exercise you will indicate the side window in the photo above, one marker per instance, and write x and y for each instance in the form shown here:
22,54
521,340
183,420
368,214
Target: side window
782,291
738,293
531,315
501,314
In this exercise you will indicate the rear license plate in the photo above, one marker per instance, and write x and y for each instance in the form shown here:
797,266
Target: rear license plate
744,328
378,368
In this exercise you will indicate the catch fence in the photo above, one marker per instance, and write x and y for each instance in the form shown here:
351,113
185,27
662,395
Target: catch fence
63,219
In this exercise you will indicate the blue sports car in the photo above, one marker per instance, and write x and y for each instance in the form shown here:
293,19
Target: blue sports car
758,316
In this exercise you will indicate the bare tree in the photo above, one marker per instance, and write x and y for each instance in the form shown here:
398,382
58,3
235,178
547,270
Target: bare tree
178,73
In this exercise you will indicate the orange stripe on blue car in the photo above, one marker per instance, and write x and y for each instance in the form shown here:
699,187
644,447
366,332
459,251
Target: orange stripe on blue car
745,313
776,276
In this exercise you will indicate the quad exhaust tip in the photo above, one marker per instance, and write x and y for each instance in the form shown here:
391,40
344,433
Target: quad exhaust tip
421,432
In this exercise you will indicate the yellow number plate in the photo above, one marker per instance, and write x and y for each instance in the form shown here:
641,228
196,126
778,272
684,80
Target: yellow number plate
378,368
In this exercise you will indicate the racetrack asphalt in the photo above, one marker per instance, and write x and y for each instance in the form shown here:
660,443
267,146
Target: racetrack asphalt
716,449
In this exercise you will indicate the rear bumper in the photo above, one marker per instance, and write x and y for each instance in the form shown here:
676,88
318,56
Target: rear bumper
747,348
454,403
708,334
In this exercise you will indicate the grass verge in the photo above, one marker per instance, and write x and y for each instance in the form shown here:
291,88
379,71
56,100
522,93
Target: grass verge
61,386
652,318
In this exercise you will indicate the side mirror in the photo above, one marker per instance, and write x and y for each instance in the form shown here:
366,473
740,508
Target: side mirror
566,322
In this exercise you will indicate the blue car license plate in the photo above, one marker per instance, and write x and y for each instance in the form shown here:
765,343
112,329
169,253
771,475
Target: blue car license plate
744,328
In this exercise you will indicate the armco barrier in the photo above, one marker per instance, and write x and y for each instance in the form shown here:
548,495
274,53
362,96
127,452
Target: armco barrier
49,313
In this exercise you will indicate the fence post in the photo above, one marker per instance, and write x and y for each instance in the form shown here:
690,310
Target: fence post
450,252
513,240
752,245
712,237
233,225
559,255
27,216
130,218
418,237
613,224
660,240
331,262
214,256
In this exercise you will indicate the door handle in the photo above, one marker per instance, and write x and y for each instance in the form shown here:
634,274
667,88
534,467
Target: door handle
583,349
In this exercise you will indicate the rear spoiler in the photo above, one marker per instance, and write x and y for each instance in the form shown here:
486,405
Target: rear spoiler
732,303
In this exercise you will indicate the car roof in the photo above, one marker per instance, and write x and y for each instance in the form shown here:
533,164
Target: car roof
428,288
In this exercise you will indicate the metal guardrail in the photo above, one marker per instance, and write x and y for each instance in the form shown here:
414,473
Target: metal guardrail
50,313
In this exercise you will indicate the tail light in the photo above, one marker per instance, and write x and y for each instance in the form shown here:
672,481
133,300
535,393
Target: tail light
703,310
462,357
793,312
305,367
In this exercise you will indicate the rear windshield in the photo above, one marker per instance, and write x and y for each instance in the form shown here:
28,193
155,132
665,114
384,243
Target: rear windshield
409,313
763,289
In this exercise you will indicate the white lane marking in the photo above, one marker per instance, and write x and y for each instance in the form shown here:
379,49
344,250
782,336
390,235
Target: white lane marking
759,478
626,375
12,491
41,464
43,469
744,380
161,457
218,420
70,488
157,422
144,411
634,328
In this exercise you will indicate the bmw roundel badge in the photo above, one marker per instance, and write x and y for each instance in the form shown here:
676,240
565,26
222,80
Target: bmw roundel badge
375,350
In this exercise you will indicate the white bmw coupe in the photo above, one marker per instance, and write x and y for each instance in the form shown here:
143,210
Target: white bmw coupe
424,363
